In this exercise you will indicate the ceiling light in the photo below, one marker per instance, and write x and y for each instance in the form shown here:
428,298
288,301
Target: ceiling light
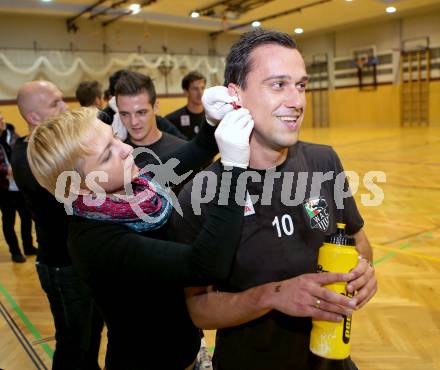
298,30
195,14
135,8
348,1
391,9
46,1
256,24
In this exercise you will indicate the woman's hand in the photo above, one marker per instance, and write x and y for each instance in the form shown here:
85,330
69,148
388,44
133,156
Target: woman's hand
217,102
232,136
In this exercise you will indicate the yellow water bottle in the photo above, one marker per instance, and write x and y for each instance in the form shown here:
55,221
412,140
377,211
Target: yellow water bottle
337,254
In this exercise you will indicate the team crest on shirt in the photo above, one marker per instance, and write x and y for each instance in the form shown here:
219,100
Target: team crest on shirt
317,211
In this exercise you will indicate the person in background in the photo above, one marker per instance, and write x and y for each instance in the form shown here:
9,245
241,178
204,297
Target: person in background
137,105
190,117
78,324
111,116
107,96
89,94
11,200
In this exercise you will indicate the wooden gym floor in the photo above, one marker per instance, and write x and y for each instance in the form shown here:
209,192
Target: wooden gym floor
398,329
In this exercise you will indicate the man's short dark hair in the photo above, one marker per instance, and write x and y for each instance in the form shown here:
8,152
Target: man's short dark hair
113,79
133,83
107,95
238,61
87,92
191,77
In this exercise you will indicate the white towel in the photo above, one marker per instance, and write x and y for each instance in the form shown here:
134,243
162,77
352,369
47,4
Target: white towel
117,125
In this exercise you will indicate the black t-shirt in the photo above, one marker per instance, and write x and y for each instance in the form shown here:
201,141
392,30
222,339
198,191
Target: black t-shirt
49,215
165,125
164,146
189,123
278,242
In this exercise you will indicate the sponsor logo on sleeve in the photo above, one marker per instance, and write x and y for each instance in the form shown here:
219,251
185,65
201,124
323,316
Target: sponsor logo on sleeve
248,206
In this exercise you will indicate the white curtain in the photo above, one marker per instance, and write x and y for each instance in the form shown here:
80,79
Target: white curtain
68,69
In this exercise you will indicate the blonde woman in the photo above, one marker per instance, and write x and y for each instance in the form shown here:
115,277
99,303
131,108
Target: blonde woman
135,274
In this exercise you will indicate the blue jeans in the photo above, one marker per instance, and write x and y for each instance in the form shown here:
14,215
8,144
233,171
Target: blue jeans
73,312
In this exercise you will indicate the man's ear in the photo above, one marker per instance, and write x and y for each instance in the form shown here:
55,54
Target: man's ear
33,119
234,90
98,102
156,107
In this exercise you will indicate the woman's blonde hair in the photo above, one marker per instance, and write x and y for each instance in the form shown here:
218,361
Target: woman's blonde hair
58,144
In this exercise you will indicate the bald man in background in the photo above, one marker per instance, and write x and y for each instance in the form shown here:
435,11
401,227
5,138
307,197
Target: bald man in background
77,324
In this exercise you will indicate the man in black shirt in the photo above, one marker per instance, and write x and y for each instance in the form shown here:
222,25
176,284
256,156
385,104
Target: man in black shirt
190,117
137,106
69,298
264,311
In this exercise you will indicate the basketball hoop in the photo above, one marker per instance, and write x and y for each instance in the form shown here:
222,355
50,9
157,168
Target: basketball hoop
364,60
360,62
366,71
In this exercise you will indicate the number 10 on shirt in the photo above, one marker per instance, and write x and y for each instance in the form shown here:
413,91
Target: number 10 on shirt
285,227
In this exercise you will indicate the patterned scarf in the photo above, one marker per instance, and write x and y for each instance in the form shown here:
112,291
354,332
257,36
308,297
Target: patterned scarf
148,208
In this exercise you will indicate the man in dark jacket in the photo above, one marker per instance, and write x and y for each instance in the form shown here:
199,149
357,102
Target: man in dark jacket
77,324
11,200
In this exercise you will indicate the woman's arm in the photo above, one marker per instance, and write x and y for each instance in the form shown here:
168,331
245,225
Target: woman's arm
100,247
209,258
197,152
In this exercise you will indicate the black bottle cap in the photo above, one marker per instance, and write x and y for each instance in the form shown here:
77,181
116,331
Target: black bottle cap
340,238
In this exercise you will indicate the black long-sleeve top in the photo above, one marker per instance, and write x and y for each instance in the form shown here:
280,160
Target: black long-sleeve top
137,279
